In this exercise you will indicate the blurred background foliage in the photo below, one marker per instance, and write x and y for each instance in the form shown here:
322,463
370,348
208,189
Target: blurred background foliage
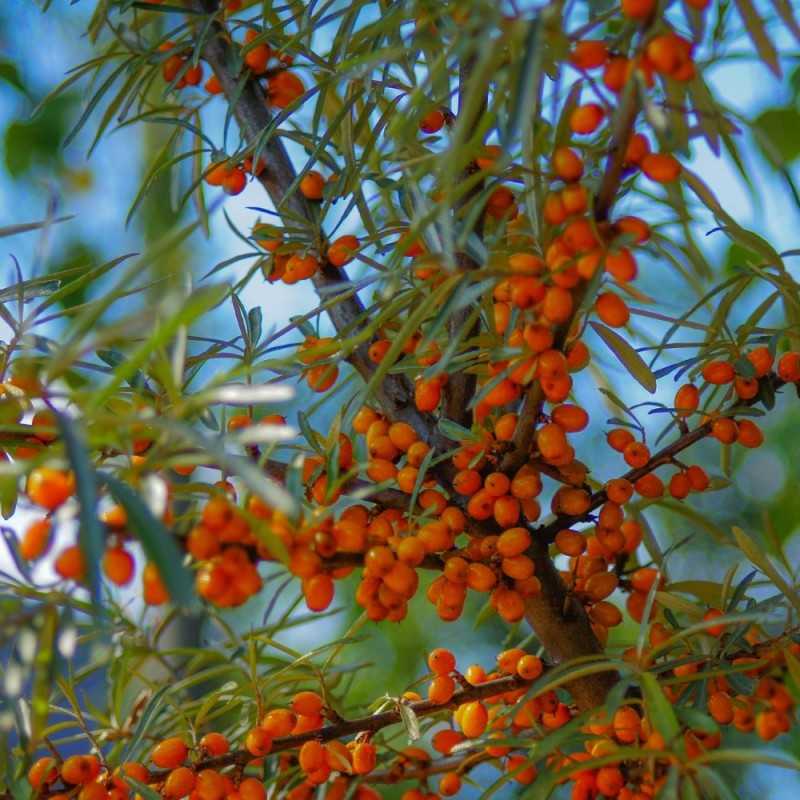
42,180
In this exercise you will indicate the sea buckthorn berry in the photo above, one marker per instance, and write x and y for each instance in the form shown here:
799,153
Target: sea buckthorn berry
680,485
626,724
80,769
179,783
474,719
724,430
570,543
70,564
481,578
258,742
432,122
570,417
343,250
687,399
43,771
49,488
789,367
441,661
661,167
527,774
509,604
449,784
251,789
748,433
636,454
720,707
118,566
170,753
586,119
698,478
441,689
718,372
649,486
761,359
637,9
508,660
306,703
712,614
279,722
568,165
312,756
619,438
36,540
745,388
612,309
589,54
529,667
619,490
513,542
364,758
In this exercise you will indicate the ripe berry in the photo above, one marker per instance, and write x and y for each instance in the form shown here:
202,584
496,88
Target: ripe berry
170,753
80,769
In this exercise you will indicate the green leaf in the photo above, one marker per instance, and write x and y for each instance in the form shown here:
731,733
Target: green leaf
410,722
659,709
90,531
777,127
43,672
24,227
793,666
143,724
758,558
157,542
454,431
627,356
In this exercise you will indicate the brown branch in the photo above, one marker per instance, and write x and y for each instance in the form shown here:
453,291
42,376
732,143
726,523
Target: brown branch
666,455
348,315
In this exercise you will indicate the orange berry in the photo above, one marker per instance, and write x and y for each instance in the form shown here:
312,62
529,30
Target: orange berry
441,661
279,722
308,704
567,164
118,566
586,119
589,54
441,689
637,9
687,399
70,564
530,667
636,454
36,540
626,725
449,784
179,783
789,367
432,122
342,251
49,488
619,438
170,753
258,742
661,167
570,543
718,372
364,758
283,88
474,719
612,309
748,433
234,181
43,771
724,430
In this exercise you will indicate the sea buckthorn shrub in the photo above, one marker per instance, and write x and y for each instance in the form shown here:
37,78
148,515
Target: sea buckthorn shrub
476,516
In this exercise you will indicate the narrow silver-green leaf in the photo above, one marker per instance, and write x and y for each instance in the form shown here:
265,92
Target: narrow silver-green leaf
627,356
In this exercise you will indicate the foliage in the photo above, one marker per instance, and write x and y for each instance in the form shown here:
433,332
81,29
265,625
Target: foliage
480,424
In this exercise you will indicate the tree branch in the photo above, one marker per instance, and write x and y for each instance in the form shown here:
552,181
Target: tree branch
348,315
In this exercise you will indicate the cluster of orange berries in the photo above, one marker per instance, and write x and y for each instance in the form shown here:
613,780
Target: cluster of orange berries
49,489
287,263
